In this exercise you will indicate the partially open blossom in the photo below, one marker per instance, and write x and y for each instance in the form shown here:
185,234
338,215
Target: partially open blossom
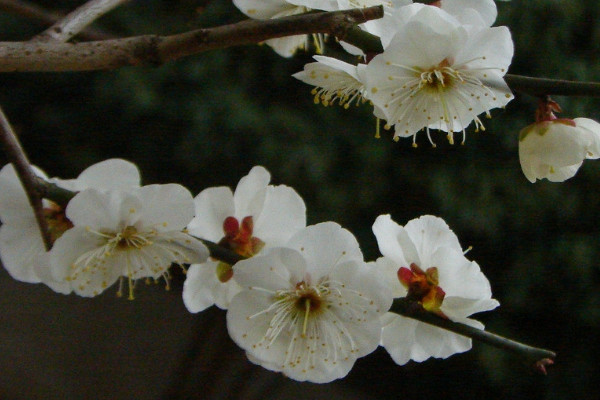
311,308
256,216
134,233
21,247
439,74
424,262
335,81
555,149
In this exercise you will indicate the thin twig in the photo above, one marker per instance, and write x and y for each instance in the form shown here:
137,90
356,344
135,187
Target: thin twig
77,21
153,49
555,87
18,158
533,355
37,13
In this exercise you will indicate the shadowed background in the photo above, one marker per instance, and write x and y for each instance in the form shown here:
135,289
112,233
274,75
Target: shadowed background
206,120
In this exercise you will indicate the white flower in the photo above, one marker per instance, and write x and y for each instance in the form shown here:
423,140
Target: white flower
439,74
555,149
334,81
272,9
135,233
258,215
21,247
309,310
425,262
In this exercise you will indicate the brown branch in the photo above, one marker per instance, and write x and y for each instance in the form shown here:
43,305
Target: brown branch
18,158
76,21
536,357
153,49
557,87
37,13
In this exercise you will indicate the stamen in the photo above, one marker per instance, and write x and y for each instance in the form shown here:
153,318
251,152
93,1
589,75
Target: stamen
306,313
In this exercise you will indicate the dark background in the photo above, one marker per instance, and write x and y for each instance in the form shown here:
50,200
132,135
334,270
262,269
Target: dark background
206,120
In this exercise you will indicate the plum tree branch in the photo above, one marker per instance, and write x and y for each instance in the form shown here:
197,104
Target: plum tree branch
537,357
18,158
78,20
540,358
154,49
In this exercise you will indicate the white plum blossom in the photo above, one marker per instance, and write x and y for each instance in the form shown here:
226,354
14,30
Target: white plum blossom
555,149
21,247
334,81
135,233
256,216
271,9
424,262
311,308
439,74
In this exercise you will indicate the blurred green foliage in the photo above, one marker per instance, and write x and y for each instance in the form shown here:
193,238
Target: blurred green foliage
206,120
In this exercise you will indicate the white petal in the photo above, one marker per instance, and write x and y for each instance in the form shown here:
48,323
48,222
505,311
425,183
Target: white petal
487,48
21,249
287,46
247,327
103,210
262,9
90,280
109,174
282,215
440,343
486,9
324,246
459,276
556,174
155,258
277,268
398,338
249,193
428,233
213,206
389,271
593,151
165,207
394,242
458,308
14,205
202,288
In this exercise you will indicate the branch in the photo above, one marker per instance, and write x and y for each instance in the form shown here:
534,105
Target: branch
544,87
17,157
533,355
78,20
37,13
153,49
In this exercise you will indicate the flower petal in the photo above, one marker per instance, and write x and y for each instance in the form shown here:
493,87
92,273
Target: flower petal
323,246
213,206
202,288
249,193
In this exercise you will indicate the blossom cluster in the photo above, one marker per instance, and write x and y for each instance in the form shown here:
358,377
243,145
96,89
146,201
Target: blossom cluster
301,301
441,67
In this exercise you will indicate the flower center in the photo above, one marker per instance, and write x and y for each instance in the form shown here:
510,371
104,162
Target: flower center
238,237
57,221
439,77
129,239
423,287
